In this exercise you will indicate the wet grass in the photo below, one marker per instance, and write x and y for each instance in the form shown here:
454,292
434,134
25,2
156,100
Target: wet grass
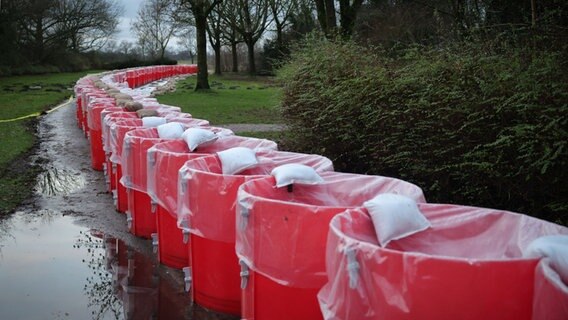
21,96
232,99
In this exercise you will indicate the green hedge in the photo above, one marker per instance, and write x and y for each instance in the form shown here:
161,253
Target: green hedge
468,127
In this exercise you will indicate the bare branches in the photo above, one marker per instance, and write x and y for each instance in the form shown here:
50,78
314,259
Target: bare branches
156,23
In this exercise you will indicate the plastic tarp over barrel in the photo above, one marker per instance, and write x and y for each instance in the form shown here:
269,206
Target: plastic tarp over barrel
118,132
281,238
87,96
207,205
94,111
164,161
141,221
108,118
469,265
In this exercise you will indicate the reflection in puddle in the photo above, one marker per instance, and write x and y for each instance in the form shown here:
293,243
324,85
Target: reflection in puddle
56,181
53,269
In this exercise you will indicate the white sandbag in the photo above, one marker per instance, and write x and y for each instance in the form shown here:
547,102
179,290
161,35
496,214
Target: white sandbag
151,122
237,159
295,173
195,137
395,217
170,130
554,248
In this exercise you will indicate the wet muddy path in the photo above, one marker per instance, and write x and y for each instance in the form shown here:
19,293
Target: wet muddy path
69,255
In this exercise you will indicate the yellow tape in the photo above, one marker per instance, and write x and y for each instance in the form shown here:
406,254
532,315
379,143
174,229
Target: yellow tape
36,114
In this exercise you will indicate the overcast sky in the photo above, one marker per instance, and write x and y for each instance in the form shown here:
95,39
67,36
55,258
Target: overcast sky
130,9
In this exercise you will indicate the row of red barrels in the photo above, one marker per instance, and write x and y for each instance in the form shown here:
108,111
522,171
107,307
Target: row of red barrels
280,235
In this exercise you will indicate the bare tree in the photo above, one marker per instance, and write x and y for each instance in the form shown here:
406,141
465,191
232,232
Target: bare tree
230,35
282,11
214,33
125,47
186,40
77,25
251,22
326,15
87,24
156,22
201,10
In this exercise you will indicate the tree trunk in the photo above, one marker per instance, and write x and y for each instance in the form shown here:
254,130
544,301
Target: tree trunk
279,39
330,16
252,66
38,39
217,49
201,30
348,14
235,56
320,8
533,13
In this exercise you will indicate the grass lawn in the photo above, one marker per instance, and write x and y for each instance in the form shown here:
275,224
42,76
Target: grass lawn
17,99
232,99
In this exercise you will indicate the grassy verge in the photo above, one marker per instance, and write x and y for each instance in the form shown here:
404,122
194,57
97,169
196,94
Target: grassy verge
232,99
21,96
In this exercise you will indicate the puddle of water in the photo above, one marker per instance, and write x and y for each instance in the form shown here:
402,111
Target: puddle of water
53,269
56,181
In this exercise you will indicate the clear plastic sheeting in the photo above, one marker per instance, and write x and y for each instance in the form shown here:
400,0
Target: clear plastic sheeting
165,160
207,198
120,127
94,110
550,294
281,234
135,146
469,265
109,118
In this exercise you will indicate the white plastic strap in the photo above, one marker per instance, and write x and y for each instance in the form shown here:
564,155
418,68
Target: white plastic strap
182,181
153,206
245,213
115,197
352,267
151,157
154,242
185,232
244,274
126,147
187,278
114,168
129,219
126,182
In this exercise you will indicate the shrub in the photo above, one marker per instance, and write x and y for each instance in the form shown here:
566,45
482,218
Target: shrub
468,127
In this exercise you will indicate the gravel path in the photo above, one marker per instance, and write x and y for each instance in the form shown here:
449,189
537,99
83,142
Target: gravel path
250,127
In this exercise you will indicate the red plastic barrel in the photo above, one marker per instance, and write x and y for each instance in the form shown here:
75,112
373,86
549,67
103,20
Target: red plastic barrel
142,222
208,206
281,238
109,118
164,161
469,265
117,132
95,130
87,96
